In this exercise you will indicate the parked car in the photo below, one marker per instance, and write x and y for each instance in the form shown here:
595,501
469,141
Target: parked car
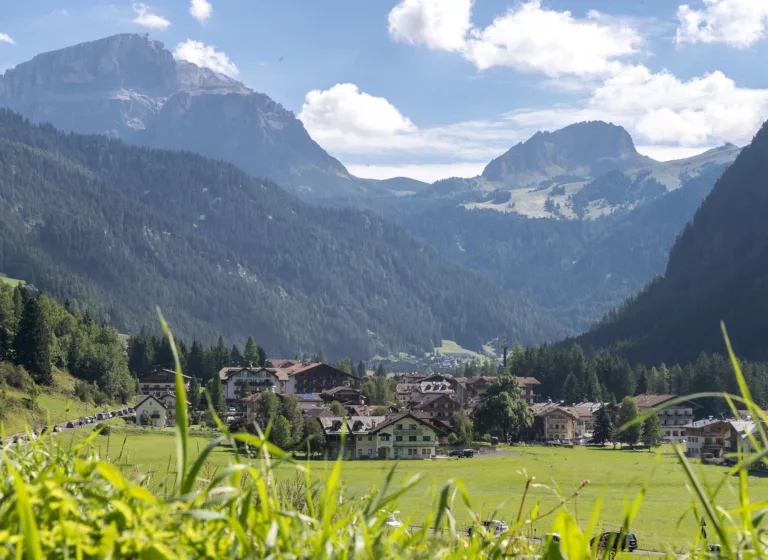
455,453
615,540
494,526
565,442
467,453
70,424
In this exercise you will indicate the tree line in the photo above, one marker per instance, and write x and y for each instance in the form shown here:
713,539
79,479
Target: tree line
39,334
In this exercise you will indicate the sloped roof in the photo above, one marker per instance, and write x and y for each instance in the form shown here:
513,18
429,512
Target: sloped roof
340,389
545,409
650,401
430,398
397,417
148,397
227,372
148,377
403,388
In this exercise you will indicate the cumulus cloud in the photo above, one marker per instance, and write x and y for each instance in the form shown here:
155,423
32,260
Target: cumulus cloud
437,24
528,37
146,18
205,55
739,23
659,108
5,38
344,116
201,10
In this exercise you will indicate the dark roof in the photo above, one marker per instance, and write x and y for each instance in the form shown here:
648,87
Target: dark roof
340,389
142,401
147,378
397,417
432,397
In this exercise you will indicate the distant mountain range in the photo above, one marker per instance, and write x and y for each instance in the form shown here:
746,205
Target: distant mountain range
122,229
573,221
131,87
717,270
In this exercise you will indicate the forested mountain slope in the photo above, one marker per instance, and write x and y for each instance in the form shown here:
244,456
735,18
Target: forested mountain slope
128,228
717,270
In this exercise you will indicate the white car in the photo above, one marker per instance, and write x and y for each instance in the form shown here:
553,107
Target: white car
495,527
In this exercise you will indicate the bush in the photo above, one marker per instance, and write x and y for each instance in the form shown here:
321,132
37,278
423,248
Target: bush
16,376
105,429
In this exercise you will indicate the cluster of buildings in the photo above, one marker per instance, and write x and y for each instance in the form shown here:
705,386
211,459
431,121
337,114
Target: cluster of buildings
422,417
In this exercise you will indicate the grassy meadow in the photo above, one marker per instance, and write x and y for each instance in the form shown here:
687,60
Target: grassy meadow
495,483
12,281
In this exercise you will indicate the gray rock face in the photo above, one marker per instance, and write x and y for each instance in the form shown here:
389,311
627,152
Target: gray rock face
583,150
131,87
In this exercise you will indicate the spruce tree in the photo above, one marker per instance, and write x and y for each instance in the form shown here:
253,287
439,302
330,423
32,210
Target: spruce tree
193,394
220,355
251,354
571,390
262,356
235,357
361,369
290,409
628,411
32,344
603,426
216,393
381,371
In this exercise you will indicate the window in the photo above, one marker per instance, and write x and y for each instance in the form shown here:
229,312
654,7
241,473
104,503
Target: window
425,451
359,451
398,438
370,452
412,426
427,438
399,426
411,438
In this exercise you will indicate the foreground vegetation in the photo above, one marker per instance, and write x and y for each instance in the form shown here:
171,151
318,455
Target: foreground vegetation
77,498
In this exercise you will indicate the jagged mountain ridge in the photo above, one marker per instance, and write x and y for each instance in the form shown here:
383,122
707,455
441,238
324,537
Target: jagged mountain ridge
130,87
125,228
716,271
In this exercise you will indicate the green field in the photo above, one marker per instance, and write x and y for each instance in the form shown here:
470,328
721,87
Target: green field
449,348
12,281
495,483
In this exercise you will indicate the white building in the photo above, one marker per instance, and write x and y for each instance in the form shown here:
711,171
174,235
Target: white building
257,380
153,408
674,419
161,382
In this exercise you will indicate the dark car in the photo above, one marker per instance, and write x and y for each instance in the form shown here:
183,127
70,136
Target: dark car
467,453
455,453
70,424
615,540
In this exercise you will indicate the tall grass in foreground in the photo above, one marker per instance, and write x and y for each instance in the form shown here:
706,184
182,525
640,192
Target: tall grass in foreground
60,501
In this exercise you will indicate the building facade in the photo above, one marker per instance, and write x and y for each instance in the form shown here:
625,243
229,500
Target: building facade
152,408
255,380
160,382
674,419
552,421
439,407
406,436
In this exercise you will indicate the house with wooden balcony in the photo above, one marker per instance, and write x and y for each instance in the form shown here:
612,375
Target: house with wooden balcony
160,382
255,379
673,419
406,436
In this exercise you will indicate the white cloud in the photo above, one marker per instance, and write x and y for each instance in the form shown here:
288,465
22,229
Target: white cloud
437,24
531,38
201,10
344,116
205,55
528,37
739,23
427,172
146,18
5,38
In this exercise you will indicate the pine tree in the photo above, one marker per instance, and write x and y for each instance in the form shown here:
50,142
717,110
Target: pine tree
652,431
262,356
196,366
603,426
381,371
216,393
571,391
235,357
32,344
193,394
594,394
220,355
361,369
244,390
251,355
628,411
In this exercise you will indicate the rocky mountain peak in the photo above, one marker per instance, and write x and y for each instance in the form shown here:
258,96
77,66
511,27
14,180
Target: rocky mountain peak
585,149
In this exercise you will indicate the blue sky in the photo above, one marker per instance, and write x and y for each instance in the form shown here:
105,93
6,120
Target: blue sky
434,88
